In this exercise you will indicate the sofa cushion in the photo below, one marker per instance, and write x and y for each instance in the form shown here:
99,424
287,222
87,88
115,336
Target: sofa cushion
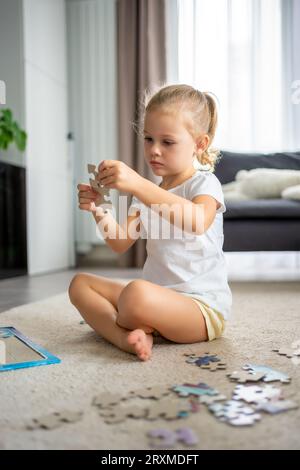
231,162
293,192
262,208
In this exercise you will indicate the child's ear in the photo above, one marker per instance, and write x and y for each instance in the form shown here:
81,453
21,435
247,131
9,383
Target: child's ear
202,143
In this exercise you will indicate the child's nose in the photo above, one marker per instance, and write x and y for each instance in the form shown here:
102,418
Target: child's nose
155,150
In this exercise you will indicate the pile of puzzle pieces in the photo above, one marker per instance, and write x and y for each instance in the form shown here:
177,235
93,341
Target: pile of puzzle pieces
268,399
178,401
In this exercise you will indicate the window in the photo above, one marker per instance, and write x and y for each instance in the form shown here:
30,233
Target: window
233,48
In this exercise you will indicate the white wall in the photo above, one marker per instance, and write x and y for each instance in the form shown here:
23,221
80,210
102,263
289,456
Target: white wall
49,166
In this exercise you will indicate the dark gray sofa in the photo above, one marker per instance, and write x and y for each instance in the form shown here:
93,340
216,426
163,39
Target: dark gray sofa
259,224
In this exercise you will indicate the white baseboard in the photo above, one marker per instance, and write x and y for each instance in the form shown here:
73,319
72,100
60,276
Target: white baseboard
263,266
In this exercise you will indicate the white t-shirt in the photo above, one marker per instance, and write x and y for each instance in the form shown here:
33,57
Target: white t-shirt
191,264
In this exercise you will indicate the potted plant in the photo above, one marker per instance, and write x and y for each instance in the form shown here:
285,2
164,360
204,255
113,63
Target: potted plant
10,132
13,246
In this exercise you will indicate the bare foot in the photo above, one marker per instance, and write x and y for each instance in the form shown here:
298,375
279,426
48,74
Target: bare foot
142,343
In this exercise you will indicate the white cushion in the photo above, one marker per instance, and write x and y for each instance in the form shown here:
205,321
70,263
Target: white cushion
264,183
293,192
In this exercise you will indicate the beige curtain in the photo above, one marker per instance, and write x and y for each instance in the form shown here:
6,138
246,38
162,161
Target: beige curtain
141,42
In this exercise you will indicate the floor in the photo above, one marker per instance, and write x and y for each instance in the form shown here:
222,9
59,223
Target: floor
26,289
265,316
242,267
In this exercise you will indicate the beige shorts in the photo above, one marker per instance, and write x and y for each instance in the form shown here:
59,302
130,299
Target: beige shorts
214,320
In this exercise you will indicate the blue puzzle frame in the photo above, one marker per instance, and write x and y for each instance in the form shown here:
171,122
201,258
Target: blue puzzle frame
48,357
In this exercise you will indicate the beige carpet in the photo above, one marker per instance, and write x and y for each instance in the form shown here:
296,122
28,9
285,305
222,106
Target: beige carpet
265,315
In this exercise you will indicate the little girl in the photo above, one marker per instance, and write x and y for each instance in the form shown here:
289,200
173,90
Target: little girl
183,294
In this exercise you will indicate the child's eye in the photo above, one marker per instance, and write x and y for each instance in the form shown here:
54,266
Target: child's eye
167,142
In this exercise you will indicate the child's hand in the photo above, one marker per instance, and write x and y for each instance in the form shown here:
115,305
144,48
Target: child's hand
86,197
118,175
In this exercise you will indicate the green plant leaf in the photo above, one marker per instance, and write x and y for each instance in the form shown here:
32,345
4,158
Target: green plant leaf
10,132
20,139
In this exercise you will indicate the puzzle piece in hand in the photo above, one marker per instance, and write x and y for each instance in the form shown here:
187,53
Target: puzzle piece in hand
255,394
243,376
168,438
194,389
288,352
270,375
277,406
234,413
104,195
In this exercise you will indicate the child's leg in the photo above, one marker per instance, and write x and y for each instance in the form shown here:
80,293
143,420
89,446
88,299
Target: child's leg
96,299
175,316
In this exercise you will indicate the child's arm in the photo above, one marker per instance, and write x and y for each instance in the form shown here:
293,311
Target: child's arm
192,216
189,216
122,238
118,238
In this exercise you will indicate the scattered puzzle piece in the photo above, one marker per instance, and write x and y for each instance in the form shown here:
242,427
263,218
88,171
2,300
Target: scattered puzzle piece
165,408
288,352
207,361
234,413
209,399
70,416
187,436
51,421
230,409
55,420
215,366
277,406
155,392
168,409
118,414
203,360
243,420
255,394
106,399
270,375
194,389
243,376
163,437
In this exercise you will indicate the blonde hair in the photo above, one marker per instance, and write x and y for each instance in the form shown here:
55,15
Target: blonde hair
200,108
